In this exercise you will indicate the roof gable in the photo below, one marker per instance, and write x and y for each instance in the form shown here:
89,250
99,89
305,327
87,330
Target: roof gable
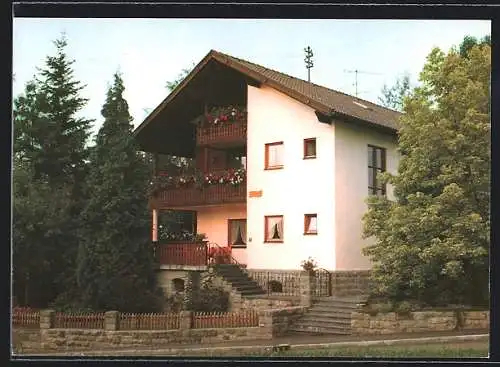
326,101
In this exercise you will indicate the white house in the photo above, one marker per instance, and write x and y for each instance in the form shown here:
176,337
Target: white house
283,166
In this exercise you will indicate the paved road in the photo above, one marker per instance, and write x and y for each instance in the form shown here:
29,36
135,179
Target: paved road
292,340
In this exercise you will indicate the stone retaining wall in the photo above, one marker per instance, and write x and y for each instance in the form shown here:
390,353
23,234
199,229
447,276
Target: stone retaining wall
25,340
272,322
60,339
278,321
420,321
267,303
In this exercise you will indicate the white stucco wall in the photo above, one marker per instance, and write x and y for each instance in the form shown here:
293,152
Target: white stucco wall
351,189
301,187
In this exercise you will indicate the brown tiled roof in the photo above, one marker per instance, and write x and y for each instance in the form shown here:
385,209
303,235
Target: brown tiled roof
336,101
329,102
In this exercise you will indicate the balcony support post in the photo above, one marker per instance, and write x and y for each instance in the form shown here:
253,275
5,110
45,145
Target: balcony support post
155,227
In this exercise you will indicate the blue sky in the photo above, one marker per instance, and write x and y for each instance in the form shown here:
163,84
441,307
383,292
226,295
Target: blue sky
150,52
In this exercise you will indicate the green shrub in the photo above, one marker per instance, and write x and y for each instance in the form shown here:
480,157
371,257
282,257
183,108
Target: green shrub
210,297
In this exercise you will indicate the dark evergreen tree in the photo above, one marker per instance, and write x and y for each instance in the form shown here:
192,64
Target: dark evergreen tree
39,218
115,260
50,139
58,137
469,42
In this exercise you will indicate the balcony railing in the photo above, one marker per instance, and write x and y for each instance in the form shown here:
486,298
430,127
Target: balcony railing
182,253
190,253
233,132
191,196
210,189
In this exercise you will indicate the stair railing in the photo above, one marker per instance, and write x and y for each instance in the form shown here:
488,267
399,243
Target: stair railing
232,260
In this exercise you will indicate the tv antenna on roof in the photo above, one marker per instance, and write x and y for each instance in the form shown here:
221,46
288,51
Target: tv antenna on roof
356,72
308,61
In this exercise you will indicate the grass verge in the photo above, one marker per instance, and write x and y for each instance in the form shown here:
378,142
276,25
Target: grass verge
454,350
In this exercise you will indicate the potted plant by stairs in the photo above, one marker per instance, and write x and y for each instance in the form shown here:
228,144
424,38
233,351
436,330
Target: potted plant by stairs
310,268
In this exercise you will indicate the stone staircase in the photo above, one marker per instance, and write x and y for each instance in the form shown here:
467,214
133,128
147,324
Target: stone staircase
239,280
330,315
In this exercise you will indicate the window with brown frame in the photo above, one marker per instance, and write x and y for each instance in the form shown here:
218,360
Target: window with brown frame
310,223
376,165
237,232
274,155
309,148
273,228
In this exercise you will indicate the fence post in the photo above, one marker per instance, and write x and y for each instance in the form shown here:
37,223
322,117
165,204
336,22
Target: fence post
305,289
47,319
266,324
112,320
186,318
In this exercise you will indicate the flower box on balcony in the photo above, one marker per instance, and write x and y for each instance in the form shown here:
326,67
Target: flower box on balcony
222,125
212,188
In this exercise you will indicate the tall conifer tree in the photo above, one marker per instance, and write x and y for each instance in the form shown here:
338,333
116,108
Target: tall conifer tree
50,137
115,263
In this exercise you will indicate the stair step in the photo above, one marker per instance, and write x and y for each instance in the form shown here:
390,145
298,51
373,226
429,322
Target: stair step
252,292
319,331
344,299
333,306
328,315
342,306
320,328
329,321
246,287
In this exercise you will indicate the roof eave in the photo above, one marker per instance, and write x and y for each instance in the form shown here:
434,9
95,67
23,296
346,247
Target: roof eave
271,83
174,93
363,122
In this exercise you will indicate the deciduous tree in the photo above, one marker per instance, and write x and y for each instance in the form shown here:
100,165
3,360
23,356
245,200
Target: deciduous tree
393,97
431,244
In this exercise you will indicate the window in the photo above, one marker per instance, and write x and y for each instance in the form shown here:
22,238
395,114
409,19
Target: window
273,228
178,284
310,224
237,232
376,165
309,148
236,158
274,156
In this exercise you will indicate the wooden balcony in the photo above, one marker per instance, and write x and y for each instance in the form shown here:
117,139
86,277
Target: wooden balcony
192,196
182,253
231,133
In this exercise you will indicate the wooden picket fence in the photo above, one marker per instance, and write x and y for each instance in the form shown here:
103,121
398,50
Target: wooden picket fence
25,318
140,321
65,320
203,320
149,321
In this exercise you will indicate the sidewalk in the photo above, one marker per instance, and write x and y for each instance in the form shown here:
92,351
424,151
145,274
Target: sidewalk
294,341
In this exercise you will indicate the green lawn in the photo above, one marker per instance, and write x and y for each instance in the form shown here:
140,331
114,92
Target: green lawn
448,350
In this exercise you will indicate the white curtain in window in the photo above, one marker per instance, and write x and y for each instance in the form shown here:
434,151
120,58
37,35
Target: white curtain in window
280,227
276,155
241,226
313,224
275,229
